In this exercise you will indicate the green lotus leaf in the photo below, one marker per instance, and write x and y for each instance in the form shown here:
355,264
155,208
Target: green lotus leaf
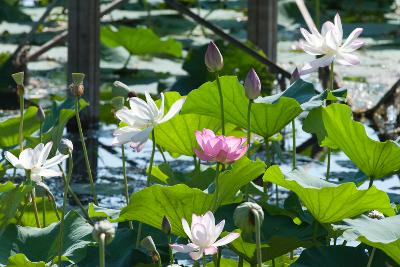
177,135
140,41
375,159
267,119
20,260
383,234
329,202
11,197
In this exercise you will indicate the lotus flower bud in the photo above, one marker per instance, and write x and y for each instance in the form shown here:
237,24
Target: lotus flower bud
295,75
103,227
374,214
166,226
245,216
252,85
65,147
77,88
118,102
40,115
213,58
19,80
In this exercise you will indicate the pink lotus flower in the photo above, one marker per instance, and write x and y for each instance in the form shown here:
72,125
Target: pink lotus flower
219,148
203,234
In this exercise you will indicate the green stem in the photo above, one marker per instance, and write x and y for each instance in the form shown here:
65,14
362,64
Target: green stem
221,102
85,153
277,195
294,145
35,209
331,76
216,198
102,250
153,138
126,191
371,182
267,152
22,211
328,165
54,205
66,185
249,127
315,233
258,238
204,259
240,262
171,256
371,257
21,122
162,153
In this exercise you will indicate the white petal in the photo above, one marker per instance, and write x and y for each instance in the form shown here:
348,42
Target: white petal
339,28
57,159
141,137
315,64
26,158
184,248
49,173
218,230
352,46
226,240
13,160
326,27
196,255
347,59
200,235
125,115
124,135
174,110
311,50
331,40
353,36
186,228
152,105
45,153
140,108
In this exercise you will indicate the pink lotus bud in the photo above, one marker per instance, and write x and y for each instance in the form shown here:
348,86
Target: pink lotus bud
252,85
213,58
219,148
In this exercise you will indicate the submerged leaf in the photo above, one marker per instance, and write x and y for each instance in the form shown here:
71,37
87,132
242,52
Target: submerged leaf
267,119
329,202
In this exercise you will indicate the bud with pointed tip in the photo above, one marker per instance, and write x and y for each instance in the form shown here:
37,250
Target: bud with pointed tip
40,115
166,226
295,75
65,147
213,58
103,227
245,214
77,88
252,85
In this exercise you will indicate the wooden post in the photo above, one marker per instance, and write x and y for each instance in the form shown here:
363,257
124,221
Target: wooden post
84,56
262,25
84,51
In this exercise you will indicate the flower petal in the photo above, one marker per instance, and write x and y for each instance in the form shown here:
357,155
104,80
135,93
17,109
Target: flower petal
174,110
45,153
26,158
348,59
13,160
186,228
226,239
140,138
184,248
210,250
315,64
353,36
196,255
151,104
48,172
57,159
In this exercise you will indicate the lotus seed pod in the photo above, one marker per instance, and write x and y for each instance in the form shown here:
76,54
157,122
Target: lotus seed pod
166,226
374,214
252,85
77,90
148,244
118,102
40,115
103,227
65,147
213,58
244,216
77,78
295,76
18,78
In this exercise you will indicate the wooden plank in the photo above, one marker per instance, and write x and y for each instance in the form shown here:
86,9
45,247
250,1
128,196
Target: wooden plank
262,25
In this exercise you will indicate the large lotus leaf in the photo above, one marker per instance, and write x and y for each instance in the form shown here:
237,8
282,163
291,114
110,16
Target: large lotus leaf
383,234
177,135
140,41
9,128
20,260
41,244
11,197
329,202
151,204
332,256
375,159
266,119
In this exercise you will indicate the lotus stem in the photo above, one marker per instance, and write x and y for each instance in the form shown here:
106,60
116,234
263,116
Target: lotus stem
153,151
21,121
267,152
89,171
216,199
204,259
258,238
54,206
221,103
328,165
162,153
294,145
43,198
371,257
371,182
331,76
240,262
102,250
248,127
126,191
66,185
171,255
35,209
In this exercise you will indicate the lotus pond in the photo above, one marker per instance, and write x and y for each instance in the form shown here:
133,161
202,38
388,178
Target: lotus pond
200,157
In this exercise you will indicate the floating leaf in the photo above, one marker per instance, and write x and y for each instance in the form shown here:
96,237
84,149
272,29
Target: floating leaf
177,135
140,41
329,202
267,119
383,234
375,159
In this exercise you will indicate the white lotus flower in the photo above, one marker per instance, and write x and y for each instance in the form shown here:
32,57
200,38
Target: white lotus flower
329,44
141,118
35,160
203,235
